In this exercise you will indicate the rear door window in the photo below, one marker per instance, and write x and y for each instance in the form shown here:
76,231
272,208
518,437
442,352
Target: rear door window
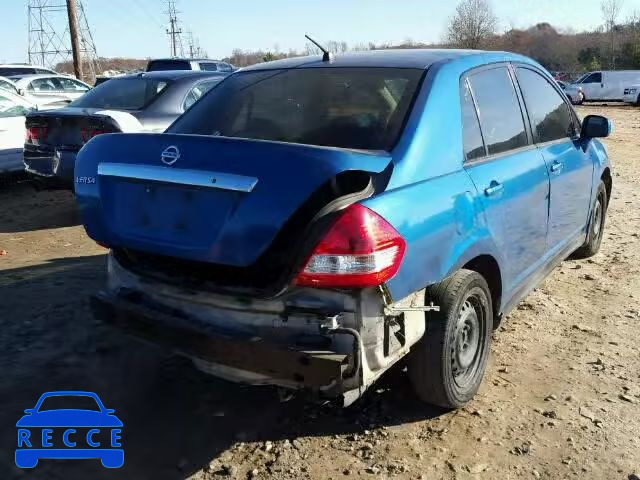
471,134
209,66
225,67
198,91
45,85
501,119
551,118
71,85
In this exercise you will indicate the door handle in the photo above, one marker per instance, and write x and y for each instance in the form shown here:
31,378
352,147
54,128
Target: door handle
556,167
493,188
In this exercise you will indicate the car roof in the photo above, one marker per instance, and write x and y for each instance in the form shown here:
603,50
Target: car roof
23,65
32,76
185,60
174,74
392,58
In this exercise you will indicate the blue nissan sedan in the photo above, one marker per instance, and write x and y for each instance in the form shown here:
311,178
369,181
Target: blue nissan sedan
312,221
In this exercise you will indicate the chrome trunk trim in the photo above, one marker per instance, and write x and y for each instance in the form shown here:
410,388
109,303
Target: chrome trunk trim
193,178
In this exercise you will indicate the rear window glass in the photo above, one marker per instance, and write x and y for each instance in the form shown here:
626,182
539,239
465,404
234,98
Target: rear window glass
9,71
360,108
162,65
122,93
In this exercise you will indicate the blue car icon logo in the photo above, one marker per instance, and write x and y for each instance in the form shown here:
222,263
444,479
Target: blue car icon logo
69,425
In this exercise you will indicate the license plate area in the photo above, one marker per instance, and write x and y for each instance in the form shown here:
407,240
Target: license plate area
167,213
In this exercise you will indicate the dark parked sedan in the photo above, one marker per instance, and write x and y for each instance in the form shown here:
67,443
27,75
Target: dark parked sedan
145,102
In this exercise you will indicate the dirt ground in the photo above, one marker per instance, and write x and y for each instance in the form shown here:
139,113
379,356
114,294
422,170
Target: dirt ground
561,398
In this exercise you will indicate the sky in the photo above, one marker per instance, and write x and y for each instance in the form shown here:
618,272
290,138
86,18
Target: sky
136,28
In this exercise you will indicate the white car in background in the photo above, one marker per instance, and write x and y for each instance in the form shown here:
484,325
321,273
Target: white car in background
6,84
13,109
46,89
632,94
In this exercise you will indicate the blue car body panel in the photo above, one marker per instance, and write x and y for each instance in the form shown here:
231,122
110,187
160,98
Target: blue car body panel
437,204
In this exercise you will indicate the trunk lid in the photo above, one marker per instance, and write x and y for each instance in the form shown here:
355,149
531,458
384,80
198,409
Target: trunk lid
69,128
207,199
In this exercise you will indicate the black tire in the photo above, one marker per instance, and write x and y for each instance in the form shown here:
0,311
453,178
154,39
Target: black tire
447,366
597,220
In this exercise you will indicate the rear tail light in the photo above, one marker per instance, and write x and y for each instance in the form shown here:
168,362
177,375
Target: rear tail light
360,250
36,134
88,133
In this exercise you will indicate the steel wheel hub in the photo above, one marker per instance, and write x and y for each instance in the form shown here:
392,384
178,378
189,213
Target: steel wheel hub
466,342
597,219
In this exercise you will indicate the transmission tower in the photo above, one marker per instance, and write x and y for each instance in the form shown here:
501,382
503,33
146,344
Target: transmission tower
174,31
194,48
49,40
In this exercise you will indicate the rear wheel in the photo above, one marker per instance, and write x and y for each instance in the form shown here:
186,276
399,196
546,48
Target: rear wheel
596,225
447,366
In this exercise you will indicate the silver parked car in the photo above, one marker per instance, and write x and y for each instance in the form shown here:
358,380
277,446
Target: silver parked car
573,92
46,89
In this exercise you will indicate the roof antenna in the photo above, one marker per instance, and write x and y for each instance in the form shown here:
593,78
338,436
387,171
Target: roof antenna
326,54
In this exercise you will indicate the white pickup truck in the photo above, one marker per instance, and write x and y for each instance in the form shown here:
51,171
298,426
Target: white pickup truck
632,94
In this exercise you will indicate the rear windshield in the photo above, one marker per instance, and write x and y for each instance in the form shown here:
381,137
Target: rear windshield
162,65
359,108
122,93
11,71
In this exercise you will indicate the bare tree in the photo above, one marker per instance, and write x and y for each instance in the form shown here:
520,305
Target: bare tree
611,12
472,24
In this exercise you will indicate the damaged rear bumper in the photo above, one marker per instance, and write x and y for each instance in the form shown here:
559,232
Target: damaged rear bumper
334,343
173,331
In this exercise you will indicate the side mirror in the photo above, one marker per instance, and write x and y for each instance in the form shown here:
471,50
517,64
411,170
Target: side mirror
596,126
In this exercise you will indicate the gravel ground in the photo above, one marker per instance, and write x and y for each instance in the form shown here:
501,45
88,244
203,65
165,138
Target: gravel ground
561,398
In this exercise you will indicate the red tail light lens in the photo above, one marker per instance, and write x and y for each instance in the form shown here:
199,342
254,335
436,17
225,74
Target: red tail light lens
36,134
88,133
360,250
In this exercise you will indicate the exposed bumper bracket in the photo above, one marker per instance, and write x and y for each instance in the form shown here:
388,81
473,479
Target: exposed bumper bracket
188,337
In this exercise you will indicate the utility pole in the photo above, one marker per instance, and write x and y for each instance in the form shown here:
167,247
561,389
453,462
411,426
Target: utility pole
174,31
75,39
